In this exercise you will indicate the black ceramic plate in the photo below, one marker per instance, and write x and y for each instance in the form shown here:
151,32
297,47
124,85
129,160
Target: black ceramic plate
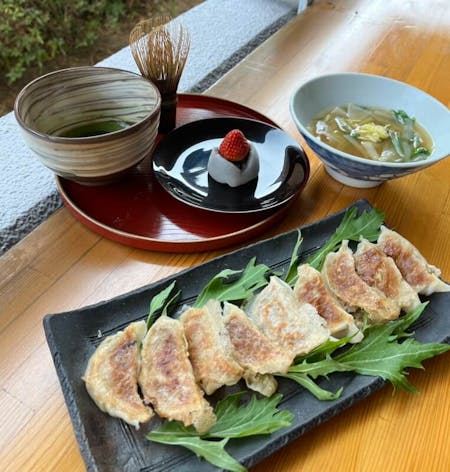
109,444
180,160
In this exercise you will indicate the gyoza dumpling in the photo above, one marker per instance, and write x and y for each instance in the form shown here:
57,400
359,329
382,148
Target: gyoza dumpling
347,286
284,319
167,379
380,271
265,384
210,348
254,351
423,277
311,288
112,372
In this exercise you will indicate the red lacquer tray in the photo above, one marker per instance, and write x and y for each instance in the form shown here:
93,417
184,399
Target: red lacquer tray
138,212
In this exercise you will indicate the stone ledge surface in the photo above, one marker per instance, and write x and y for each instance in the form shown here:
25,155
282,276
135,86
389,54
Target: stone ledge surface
222,33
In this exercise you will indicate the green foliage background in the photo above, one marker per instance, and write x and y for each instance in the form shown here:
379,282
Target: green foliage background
35,31
40,36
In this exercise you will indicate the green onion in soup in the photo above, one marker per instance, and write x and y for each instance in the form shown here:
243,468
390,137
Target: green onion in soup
373,133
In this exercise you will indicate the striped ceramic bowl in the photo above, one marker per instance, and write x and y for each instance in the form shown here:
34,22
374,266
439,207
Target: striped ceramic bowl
89,124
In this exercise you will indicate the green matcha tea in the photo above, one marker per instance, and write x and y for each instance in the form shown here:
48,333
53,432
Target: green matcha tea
95,129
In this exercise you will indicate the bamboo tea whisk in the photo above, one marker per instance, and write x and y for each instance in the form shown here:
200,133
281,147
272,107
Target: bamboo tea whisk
160,48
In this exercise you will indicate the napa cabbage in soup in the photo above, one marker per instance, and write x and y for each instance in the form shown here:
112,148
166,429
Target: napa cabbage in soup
373,133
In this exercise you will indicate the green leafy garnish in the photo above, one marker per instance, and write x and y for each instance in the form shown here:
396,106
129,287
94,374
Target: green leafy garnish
352,227
420,151
386,351
234,420
258,416
291,274
406,141
212,451
306,381
308,367
402,117
161,303
232,285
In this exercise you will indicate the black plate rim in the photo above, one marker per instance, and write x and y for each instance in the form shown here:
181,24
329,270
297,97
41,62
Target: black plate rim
166,180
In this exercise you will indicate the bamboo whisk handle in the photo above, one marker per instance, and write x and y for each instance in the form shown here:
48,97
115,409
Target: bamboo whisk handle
168,117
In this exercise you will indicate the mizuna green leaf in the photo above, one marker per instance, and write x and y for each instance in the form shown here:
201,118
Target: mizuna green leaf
291,274
161,303
232,285
212,451
308,383
386,351
258,416
234,420
352,227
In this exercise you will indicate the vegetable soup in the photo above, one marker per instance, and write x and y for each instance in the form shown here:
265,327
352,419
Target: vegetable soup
374,133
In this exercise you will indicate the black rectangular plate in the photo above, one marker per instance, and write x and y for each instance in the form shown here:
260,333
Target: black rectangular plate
109,444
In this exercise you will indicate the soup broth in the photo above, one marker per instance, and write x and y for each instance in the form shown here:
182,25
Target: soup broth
373,133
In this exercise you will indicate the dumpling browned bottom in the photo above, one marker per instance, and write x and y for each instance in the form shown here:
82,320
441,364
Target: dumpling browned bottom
210,349
311,288
252,348
112,372
379,270
167,379
340,276
423,277
255,352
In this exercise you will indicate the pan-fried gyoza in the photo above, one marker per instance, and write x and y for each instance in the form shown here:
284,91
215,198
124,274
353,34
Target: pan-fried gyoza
423,277
341,278
284,319
210,348
379,270
112,372
177,361
254,351
167,379
311,288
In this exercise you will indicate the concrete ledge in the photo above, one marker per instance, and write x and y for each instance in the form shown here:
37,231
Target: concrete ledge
28,192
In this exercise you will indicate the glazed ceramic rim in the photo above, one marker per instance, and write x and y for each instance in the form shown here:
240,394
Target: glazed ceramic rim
86,139
351,157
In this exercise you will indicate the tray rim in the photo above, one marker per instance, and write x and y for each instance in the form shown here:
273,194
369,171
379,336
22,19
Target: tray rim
205,244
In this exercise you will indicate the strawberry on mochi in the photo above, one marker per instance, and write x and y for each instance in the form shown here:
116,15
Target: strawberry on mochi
235,162
234,146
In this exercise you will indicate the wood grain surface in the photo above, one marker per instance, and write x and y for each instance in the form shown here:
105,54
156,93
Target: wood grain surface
62,265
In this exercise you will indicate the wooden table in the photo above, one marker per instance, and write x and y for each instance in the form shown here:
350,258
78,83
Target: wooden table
62,265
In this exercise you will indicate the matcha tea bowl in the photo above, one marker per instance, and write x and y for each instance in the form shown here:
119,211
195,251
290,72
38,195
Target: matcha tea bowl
89,124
